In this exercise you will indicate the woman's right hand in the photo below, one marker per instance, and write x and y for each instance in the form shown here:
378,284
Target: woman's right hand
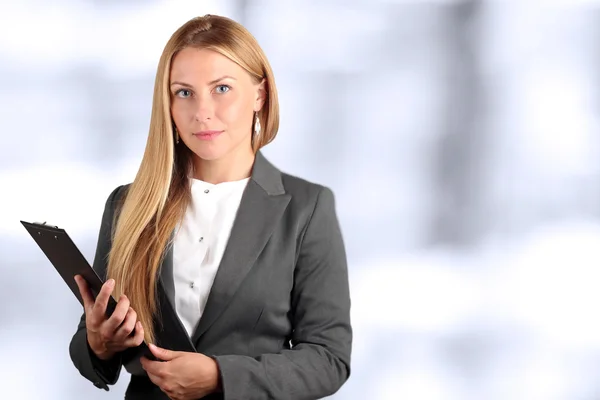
109,336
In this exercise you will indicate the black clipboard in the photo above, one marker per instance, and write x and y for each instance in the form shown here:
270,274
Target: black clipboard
68,261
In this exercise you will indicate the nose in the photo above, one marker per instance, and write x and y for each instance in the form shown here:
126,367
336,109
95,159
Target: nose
204,109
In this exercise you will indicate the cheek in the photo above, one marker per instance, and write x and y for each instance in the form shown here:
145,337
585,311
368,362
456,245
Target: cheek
234,111
176,113
181,111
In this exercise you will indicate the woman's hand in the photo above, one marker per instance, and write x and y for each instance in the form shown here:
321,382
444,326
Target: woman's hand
182,375
108,336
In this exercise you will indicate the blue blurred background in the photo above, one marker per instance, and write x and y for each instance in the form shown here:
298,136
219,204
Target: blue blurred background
461,138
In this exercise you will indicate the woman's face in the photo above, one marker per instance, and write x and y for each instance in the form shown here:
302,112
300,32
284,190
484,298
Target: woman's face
213,101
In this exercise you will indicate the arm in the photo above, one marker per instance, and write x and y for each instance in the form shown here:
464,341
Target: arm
101,373
319,361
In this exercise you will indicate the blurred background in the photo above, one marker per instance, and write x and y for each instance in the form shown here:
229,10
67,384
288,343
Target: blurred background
461,138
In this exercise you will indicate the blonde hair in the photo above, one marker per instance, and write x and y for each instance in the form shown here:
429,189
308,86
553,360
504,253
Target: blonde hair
158,197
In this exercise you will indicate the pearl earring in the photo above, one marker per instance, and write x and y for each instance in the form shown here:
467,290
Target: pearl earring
256,125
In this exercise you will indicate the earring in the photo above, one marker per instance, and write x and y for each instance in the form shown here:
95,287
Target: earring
256,125
176,135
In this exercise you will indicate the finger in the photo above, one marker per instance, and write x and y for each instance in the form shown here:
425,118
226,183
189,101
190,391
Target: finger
86,295
162,354
118,315
154,378
164,386
126,326
152,367
138,338
102,299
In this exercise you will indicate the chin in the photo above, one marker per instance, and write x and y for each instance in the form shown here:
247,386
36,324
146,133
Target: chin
209,153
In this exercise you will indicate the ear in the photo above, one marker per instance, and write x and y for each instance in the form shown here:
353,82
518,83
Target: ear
261,95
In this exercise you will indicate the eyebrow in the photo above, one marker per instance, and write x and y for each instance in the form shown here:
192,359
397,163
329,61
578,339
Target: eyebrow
209,83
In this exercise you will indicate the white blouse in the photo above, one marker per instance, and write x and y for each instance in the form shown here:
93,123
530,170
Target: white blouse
199,244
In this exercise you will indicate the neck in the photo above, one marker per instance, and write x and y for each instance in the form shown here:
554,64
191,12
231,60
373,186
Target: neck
232,167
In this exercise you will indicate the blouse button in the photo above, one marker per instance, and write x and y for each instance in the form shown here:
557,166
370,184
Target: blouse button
206,191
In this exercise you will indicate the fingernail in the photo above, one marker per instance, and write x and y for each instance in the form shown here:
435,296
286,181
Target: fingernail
111,282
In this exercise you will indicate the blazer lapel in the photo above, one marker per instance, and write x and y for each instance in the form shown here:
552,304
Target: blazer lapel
166,273
262,205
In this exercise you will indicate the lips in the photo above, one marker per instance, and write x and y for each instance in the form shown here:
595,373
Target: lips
207,135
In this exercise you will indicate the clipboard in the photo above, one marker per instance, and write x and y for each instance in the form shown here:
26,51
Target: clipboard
68,261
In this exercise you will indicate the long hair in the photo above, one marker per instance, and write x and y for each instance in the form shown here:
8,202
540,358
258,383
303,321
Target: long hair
157,199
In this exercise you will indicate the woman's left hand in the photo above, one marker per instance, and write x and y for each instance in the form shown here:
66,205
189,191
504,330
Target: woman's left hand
182,375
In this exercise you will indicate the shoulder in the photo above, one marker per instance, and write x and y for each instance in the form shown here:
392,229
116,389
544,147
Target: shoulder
313,210
119,192
117,196
305,193
298,186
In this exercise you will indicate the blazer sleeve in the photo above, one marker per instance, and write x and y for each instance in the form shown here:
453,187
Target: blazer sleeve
318,363
101,373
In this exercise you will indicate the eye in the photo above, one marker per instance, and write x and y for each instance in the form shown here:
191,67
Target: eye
183,93
222,89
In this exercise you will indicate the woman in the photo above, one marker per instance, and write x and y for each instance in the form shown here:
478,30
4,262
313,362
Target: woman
233,272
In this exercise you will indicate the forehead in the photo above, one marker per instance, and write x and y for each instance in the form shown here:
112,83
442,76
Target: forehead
202,65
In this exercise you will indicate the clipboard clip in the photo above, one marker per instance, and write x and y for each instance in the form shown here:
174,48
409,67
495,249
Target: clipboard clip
45,224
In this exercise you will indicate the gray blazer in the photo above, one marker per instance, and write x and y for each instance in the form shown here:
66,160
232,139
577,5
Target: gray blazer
277,320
